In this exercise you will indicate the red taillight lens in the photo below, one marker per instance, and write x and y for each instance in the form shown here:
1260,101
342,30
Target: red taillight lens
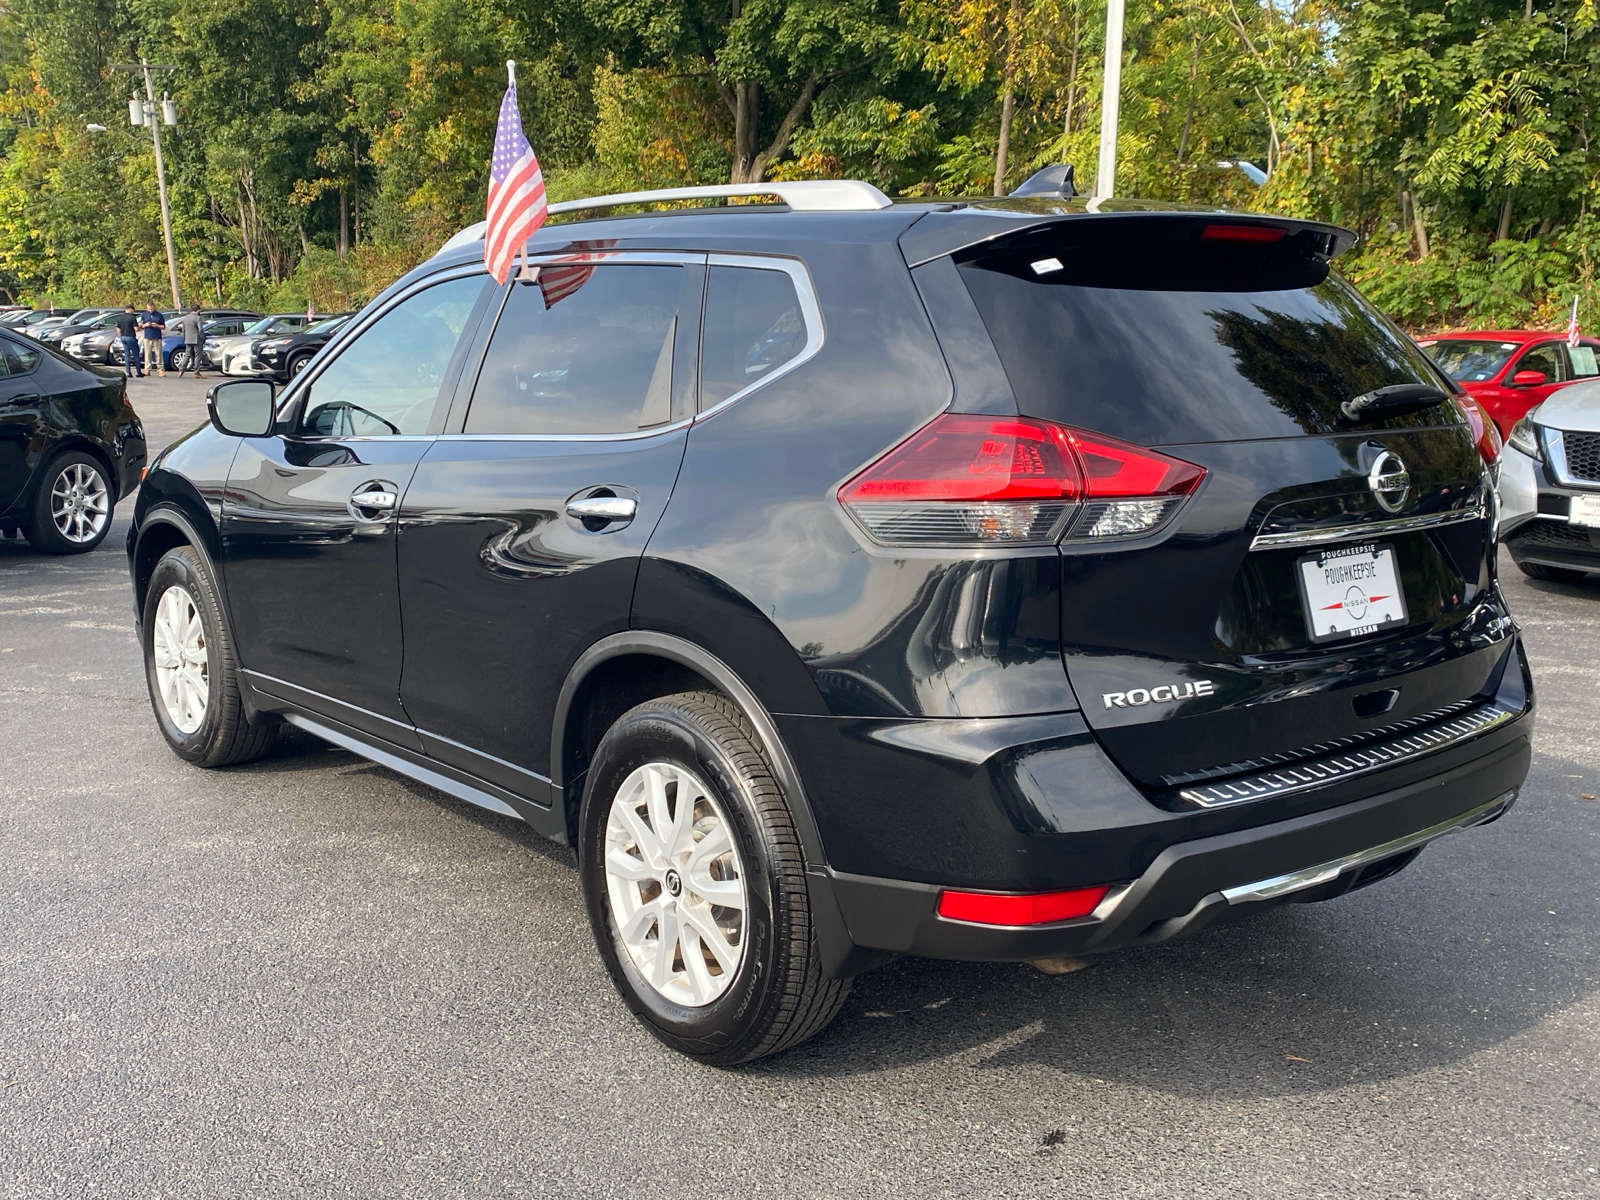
1484,431
971,480
1041,908
1241,233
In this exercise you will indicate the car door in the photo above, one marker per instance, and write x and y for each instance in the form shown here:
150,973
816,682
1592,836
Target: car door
1548,360
20,402
308,517
521,534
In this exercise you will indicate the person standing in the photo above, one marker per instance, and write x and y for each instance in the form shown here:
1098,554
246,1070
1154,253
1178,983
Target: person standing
152,329
189,326
128,332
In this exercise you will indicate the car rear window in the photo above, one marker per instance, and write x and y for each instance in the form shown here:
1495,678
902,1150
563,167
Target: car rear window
1160,335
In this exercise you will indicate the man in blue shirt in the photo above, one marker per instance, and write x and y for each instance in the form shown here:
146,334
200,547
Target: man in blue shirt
152,329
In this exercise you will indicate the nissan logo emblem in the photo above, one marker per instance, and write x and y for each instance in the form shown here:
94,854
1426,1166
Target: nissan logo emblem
1390,482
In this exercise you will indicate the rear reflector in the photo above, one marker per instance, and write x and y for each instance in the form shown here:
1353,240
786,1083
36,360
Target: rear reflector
1041,908
1484,431
971,480
1241,233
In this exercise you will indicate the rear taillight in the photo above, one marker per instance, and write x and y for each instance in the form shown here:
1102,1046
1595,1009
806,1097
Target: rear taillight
969,480
1038,908
1484,431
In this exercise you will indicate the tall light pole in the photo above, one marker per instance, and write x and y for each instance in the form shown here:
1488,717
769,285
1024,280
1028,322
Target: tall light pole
144,112
1105,184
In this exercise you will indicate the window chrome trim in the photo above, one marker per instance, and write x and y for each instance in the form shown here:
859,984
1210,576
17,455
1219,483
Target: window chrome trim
1327,872
1366,530
810,313
1302,776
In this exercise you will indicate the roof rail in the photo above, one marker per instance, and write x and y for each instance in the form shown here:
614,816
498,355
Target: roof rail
801,195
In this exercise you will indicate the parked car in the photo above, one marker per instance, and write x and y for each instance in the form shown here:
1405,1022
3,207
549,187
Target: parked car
99,345
81,321
1510,371
232,355
218,322
1550,486
71,446
30,317
285,356
851,579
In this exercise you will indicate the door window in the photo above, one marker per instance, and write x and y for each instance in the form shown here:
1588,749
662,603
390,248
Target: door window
387,380
16,359
585,349
1544,358
1583,361
753,325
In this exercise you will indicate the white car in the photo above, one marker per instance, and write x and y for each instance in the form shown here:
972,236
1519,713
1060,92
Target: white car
233,355
1550,486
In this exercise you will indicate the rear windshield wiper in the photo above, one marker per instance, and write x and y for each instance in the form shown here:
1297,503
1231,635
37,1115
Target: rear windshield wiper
1392,401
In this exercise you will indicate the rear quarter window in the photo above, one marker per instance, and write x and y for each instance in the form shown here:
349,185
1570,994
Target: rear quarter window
1159,339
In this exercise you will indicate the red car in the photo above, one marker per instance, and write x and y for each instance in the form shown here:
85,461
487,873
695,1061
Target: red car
1509,371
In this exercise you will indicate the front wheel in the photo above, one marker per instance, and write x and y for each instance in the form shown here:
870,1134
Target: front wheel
695,884
1550,574
190,669
298,364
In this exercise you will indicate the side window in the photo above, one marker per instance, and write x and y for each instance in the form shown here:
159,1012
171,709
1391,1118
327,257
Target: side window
586,349
1541,358
16,359
1583,361
387,380
753,325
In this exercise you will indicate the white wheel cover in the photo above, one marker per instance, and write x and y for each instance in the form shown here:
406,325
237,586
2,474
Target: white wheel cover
675,884
183,666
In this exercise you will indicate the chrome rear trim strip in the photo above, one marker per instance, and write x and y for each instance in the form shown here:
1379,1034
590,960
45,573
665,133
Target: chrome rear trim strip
1323,771
1365,531
1299,881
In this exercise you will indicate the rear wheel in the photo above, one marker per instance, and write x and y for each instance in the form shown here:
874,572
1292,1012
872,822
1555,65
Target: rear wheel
695,884
1551,574
180,359
190,669
71,510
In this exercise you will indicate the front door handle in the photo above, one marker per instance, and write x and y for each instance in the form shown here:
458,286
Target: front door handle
374,501
596,512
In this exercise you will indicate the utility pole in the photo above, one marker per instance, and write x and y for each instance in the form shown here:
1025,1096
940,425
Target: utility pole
1105,184
154,120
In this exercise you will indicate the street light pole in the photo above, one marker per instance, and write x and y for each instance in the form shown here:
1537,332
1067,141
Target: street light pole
153,116
1105,184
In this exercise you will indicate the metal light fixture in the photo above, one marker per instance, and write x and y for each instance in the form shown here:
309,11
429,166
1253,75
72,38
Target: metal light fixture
135,111
93,128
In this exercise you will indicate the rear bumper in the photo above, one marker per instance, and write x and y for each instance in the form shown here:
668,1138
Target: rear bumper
1194,884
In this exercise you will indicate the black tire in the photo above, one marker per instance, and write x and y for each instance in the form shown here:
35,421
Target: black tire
40,524
225,735
298,364
777,996
1551,574
180,360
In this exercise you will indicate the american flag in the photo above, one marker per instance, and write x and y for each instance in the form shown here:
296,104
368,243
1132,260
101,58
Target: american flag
1572,325
560,279
516,190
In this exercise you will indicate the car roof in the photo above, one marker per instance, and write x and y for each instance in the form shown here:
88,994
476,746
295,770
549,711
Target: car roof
1495,335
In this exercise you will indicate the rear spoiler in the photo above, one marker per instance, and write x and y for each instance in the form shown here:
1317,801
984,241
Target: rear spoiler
937,234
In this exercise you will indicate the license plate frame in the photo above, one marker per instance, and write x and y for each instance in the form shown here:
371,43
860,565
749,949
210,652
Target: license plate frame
1361,570
1585,512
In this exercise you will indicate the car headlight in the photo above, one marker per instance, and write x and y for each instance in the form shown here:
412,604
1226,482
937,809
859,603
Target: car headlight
1525,437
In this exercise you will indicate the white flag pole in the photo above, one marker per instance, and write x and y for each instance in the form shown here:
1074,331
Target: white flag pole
1105,184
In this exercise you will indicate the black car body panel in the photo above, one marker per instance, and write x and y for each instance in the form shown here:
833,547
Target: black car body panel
61,404
280,356
935,713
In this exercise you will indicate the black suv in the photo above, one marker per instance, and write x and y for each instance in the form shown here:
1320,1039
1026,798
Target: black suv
71,446
1009,580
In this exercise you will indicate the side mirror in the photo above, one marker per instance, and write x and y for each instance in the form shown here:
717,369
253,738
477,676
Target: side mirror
1527,379
242,408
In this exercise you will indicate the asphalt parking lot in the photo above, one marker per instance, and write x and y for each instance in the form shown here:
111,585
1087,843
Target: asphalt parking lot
312,977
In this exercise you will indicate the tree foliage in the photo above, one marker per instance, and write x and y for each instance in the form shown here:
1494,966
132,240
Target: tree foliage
326,145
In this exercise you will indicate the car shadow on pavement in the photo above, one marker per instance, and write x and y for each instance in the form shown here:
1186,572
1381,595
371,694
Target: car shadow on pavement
1455,955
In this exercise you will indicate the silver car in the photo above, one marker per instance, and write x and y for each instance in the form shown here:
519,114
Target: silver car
1550,486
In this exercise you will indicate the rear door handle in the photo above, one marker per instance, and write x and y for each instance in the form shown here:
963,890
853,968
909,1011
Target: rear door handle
603,510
